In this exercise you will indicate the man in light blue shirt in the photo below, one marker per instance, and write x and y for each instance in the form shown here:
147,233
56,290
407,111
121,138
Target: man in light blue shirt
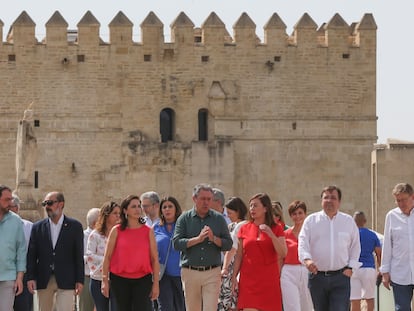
13,252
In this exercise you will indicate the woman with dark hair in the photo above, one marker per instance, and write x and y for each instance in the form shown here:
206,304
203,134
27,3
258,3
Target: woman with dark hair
131,260
171,290
294,277
261,240
108,217
236,210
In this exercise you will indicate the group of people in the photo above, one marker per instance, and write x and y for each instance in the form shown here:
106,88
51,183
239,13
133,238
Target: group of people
146,253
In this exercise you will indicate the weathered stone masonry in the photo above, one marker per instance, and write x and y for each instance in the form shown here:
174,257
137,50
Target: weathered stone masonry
286,116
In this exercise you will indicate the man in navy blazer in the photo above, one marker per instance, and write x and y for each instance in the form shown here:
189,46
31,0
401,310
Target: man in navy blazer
55,266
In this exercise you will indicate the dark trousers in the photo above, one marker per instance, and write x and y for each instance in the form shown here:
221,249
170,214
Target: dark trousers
330,293
402,296
101,302
132,294
24,302
171,294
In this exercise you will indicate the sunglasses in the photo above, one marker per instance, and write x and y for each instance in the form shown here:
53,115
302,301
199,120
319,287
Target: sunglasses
49,202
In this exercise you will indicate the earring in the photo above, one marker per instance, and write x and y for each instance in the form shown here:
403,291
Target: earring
126,216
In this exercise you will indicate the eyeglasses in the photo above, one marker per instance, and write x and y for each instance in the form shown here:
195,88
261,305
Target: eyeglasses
49,202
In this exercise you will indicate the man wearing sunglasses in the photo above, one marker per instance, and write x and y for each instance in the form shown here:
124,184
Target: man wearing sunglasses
55,266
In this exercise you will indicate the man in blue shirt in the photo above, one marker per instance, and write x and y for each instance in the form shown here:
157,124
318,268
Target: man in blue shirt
363,279
13,252
201,234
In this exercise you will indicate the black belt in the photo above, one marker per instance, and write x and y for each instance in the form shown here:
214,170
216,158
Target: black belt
201,268
332,272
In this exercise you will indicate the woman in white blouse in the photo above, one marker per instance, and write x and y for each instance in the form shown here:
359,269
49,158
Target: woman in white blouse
108,217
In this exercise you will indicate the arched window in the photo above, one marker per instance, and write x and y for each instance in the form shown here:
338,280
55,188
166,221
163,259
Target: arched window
203,124
167,124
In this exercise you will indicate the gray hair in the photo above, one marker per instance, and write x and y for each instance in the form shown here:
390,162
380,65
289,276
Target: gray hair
199,187
218,196
16,200
402,188
152,196
92,216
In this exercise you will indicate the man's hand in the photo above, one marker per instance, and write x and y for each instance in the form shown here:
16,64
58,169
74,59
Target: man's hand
31,286
78,288
310,265
386,280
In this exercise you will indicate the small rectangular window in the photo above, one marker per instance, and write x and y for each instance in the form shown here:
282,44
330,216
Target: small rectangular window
12,58
36,123
36,179
277,58
205,58
81,58
147,57
345,56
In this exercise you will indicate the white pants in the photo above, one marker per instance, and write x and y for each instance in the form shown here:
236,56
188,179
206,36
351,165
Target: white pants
363,283
295,291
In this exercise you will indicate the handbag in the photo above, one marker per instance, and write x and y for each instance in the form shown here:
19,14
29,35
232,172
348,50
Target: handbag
164,265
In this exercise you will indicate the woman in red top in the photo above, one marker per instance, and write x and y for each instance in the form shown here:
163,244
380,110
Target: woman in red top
260,242
294,278
131,258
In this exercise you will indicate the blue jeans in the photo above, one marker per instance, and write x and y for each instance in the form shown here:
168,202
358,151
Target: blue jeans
402,296
330,293
101,302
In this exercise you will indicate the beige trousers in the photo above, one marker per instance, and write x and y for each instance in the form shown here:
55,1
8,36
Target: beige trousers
201,289
53,298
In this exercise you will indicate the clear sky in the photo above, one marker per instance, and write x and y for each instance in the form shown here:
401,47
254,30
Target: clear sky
395,62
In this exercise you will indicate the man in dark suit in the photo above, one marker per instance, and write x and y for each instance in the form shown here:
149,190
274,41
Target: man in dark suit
55,266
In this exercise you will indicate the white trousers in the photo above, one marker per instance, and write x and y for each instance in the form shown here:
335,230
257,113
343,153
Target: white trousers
295,291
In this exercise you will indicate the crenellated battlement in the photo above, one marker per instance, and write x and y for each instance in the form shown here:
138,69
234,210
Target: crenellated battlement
285,114
334,33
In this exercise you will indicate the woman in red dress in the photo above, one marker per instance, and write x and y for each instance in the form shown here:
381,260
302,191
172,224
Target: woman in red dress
261,240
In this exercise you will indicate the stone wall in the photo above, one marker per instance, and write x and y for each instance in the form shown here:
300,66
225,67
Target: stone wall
286,116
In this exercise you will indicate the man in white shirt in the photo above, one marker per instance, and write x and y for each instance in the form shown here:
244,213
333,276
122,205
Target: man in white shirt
329,247
397,265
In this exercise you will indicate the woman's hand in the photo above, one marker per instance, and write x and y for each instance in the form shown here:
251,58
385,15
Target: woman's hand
155,291
105,287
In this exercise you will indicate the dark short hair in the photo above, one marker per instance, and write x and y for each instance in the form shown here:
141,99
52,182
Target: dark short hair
295,205
2,188
331,189
236,204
